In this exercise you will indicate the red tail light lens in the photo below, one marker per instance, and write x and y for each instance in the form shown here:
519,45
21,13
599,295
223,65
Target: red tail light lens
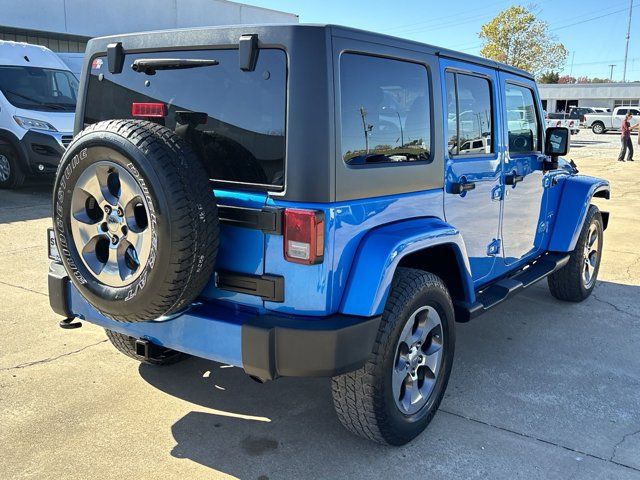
303,236
147,110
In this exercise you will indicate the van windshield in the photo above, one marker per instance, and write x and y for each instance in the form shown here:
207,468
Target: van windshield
36,88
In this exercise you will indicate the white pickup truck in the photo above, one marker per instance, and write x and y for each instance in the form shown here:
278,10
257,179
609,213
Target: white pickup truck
602,122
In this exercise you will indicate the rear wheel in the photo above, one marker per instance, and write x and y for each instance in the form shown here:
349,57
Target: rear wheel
11,175
395,395
576,280
598,128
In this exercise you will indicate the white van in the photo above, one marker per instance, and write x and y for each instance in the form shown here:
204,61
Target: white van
38,96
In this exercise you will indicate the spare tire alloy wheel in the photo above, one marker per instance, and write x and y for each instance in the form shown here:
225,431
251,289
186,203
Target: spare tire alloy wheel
111,231
135,220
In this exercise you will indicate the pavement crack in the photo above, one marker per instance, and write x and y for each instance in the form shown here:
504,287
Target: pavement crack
51,359
624,439
615,307
23,288
548,442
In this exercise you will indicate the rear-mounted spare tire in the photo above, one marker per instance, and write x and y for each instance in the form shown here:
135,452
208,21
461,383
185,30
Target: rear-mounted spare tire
135,220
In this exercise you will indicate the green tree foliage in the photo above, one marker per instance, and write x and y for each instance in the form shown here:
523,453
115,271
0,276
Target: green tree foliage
549,77
516,37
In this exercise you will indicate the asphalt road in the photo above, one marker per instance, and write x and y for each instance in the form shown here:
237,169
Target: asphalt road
539,389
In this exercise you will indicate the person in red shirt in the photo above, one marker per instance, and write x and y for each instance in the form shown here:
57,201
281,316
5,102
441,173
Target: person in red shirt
625,138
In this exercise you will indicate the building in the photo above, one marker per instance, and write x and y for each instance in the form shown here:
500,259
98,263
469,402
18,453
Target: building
67,25
561,97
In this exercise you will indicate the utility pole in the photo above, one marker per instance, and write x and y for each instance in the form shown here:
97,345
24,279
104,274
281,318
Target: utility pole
611,74
573,57
626,50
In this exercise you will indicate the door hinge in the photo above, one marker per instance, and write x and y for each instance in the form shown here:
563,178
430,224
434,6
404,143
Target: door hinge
494,247
497,193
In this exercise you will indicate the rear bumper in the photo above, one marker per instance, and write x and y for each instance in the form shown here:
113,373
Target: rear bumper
265,345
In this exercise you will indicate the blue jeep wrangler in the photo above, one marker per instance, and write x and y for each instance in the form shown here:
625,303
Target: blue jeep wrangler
312,201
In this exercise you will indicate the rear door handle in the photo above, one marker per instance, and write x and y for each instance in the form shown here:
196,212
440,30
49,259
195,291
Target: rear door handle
513,179
458,188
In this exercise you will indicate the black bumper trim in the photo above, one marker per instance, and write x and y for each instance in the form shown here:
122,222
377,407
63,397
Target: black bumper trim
266,219
41,149
275,346
59,290
268,287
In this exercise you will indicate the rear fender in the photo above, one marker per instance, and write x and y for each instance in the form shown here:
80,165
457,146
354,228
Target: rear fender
380,253
577,192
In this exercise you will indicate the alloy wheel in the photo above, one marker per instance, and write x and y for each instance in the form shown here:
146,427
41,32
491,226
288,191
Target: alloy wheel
591,256
110,225
418,360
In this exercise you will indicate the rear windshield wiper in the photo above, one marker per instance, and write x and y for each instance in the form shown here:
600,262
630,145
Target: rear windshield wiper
150,65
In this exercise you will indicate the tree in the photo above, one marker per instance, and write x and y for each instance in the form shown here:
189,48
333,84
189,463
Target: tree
516,37
549,77
567,79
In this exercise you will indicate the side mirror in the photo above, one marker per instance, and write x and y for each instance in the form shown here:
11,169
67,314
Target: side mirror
556,145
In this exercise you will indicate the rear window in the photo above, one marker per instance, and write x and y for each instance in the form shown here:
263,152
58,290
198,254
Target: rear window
243,139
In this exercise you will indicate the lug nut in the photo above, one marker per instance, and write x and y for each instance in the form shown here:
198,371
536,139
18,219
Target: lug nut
107,209
420,358
114,239
120,212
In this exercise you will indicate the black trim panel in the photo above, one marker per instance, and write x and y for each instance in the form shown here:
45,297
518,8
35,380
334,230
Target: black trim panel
275,346
269,287
59,290
267,219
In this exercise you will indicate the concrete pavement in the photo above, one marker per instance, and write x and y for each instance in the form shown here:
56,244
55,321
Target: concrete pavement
539,389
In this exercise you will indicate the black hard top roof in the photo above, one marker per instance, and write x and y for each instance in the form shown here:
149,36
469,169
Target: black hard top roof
336,30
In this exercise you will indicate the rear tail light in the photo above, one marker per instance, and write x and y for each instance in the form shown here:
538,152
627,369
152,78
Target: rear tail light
303,236
148,110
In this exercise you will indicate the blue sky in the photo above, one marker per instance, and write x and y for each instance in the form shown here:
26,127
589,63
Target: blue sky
593,43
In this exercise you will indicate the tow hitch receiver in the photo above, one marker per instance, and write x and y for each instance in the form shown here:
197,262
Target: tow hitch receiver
150,351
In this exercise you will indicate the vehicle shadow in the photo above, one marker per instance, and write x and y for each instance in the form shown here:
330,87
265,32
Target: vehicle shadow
287,428
30,202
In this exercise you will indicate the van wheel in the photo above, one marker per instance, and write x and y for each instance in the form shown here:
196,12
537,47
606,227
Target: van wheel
127,345
395,395
598,128
11,175
576,280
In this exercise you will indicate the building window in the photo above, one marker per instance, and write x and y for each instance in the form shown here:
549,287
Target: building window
626,103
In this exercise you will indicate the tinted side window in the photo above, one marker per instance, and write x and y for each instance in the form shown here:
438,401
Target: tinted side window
469,114
452,114
522,120
622,111
385,108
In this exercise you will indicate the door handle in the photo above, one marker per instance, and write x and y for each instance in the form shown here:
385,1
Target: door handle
513,179
459,188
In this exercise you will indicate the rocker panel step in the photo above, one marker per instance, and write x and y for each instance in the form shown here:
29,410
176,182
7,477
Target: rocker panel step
497,292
